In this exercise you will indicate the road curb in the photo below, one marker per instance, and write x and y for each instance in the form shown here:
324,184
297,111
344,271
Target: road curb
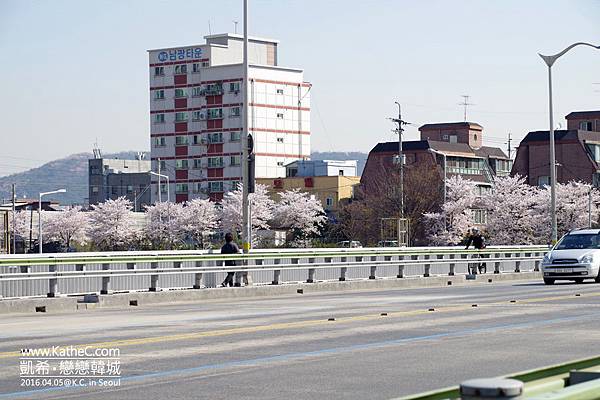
136,299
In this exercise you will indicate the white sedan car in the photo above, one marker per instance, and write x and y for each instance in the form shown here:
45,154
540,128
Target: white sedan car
574,258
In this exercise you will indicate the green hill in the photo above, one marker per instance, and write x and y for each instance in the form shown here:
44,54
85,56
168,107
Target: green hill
71,173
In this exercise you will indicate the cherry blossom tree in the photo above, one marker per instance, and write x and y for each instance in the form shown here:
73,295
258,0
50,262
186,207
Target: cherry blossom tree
456,212
66,226
299,212
199,219
165,223
572,200
112,225
511,212
260,204
22,223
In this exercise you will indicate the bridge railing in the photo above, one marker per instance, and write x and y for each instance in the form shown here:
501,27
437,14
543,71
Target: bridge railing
79,273
574,380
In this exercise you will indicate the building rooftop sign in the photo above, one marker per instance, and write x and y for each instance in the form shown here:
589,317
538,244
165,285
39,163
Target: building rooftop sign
180,54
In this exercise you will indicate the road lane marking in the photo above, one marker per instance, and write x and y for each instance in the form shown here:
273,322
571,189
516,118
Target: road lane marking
298,324
321,352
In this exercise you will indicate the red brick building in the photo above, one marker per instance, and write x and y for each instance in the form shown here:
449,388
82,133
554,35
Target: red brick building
456,146
577,152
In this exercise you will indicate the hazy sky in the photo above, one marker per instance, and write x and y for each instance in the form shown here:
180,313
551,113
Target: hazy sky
74,72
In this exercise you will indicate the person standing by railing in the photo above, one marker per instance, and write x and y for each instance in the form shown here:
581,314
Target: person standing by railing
478,241
229,248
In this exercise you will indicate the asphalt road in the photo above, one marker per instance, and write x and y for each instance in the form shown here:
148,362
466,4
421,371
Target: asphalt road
286,347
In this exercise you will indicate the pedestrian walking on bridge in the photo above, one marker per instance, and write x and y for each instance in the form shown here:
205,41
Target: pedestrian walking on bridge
229,248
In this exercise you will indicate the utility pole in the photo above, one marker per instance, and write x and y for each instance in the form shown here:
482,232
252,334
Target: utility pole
509,146
159,188
399,130
14,219
465,103
246,224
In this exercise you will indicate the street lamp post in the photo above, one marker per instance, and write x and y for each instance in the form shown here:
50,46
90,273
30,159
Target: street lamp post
159,188
550,60
40,214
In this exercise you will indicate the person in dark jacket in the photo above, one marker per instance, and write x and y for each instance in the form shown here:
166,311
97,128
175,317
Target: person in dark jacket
476,239
478,242
229,248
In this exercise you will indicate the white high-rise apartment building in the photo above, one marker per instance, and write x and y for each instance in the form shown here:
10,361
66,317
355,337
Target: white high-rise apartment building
196,104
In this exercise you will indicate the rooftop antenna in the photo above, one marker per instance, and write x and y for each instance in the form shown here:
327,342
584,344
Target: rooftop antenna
465,103
235,27
140,155
97,151
209,30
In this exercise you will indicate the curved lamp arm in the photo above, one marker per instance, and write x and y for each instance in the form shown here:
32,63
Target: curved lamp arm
550,60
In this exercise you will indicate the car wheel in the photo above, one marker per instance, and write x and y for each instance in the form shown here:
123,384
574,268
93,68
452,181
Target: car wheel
548,281
580,280
597,280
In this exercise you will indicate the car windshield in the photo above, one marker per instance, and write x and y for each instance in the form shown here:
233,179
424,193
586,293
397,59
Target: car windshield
584,241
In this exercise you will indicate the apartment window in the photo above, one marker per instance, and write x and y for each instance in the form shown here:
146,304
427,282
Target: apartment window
181,116
279,91
445,137
329,202
197,163
181,164
543,180
482,190
215,162
181,69
159,94
163,188
280,163
129,189
180,93
586,126
181,140
197,187
159,118
94,189
280,115
196,67
181,188
291,172
234,112
196,140
214,89
163,165
235,136
594,151
197,115
235,161
215,187
480,216
160,142
204,64
234,86
196,91
279,140
341,172
159,71
215,113
234,185
215,137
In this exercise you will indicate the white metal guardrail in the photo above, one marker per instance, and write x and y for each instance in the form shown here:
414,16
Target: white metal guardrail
77,273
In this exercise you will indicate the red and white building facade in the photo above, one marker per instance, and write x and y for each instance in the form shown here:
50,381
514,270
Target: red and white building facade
196,111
